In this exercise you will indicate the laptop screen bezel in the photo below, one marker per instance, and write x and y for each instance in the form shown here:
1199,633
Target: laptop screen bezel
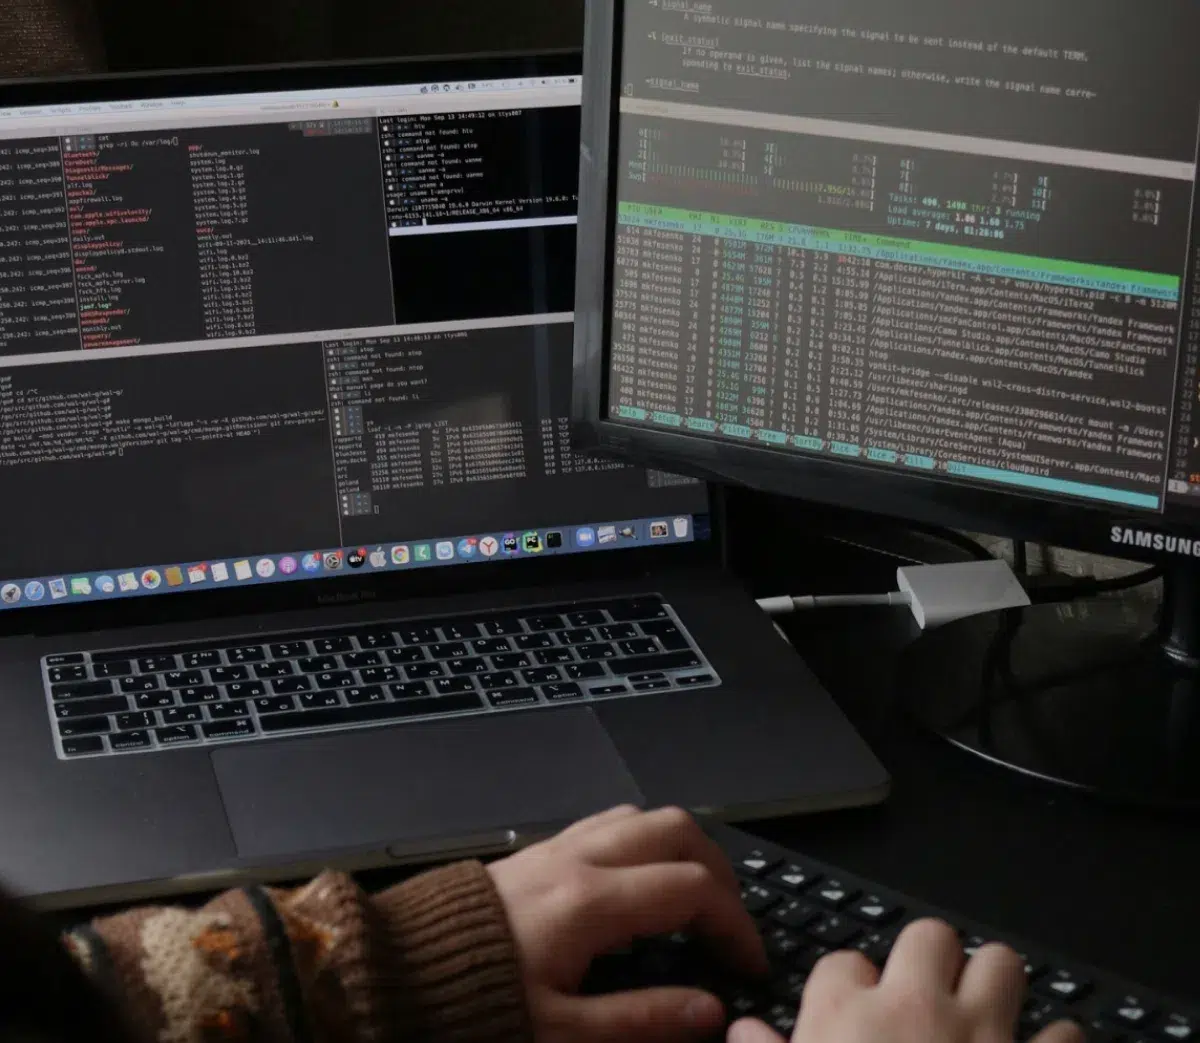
345,588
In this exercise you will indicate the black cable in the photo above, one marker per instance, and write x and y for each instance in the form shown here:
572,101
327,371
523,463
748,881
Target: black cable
1050,589
1020,557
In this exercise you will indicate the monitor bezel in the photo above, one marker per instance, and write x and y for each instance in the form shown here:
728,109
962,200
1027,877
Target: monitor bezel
859,486
345,588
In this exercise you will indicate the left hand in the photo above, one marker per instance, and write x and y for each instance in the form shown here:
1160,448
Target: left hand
604,882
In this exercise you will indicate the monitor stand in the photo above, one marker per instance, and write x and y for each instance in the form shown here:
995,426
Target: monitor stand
1101,696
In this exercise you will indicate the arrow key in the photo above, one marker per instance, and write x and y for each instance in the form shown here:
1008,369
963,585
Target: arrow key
836,895
876,910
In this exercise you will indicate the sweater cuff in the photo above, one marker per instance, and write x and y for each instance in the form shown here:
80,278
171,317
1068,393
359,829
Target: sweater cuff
457,976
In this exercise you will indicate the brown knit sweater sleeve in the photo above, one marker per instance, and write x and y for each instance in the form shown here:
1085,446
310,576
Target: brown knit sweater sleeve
431,960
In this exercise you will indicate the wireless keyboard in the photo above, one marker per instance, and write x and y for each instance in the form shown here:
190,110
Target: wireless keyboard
139,700
806,909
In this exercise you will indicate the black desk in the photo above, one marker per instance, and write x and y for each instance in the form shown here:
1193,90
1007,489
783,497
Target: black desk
1113,887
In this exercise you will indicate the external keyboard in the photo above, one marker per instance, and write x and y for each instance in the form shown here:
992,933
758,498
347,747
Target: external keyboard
138,700
805,909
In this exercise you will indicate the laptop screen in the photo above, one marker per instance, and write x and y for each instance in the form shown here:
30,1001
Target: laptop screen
291,332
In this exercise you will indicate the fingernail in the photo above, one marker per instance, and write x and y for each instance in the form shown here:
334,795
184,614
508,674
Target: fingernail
743,1032
703,1010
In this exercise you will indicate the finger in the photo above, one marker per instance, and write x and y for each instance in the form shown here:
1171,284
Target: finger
1061,1032
749,1030
927,955
643,901
665,835
601,818
992,987
648,1015
836,978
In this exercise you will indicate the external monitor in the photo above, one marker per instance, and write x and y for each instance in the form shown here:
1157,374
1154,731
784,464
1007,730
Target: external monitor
932,260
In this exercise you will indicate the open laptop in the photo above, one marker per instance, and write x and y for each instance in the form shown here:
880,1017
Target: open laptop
297,564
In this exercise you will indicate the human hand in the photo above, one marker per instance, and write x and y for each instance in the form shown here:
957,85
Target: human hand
604,882
925,995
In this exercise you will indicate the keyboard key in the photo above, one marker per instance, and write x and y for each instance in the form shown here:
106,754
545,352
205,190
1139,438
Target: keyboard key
196,660
376,639
183,715
417,635
635,609
130,685
560,693
505,698
548,622
419,671
608,689
782,944
542,675
176,736
290,685
1036,1014
126,741
793,877
238,729
228,711
1131,1012
453,685
586,618
503,627
275,704
411,690
448,650
491,646
246,654
578,637
668,634
368,694
246,689
153,664
515,660
529,642
318,664
225,674
584,671
590,653
1063,985
471,665
835,931
76,708
65,659
638,646
545,656
875,910
375,674
758,900
117,668
154,700
782,1018
83,746
1177,1028
617,631
183,678
319,700
337,679
132,721
757,863
876,946
290,649
651,686
332,645
656,663
403,656
459,631
796,913
203,694
694,679
263,671
84,726
64,674
833,894
359,660
502,679
371,713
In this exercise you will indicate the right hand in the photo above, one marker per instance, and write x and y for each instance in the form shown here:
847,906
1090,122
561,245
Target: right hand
927,993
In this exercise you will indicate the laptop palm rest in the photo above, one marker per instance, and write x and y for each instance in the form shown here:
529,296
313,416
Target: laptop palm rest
409,784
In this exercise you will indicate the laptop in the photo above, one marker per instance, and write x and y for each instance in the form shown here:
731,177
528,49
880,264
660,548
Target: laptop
298,565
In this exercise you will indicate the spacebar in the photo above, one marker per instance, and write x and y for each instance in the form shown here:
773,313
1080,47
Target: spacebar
370,713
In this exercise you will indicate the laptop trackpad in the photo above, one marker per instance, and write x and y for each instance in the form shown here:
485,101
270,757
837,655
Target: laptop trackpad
419,782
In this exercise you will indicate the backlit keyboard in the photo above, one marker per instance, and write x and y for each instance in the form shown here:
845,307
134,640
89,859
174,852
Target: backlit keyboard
138,700
805,909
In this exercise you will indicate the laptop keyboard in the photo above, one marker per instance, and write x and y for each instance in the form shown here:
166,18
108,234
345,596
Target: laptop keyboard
139,700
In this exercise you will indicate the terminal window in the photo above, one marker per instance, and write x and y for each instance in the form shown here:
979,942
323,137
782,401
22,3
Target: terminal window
951,238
